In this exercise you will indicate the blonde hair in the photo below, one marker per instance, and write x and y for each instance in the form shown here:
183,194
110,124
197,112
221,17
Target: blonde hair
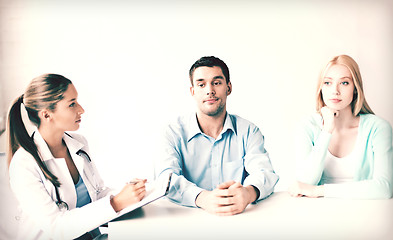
359,104
43,92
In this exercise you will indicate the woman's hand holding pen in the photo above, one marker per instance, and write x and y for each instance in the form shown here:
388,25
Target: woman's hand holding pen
329,117
132,192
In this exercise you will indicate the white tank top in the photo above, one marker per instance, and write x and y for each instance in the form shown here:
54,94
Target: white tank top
338,170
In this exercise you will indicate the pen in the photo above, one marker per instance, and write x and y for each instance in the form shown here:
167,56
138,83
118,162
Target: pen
135,181
132,182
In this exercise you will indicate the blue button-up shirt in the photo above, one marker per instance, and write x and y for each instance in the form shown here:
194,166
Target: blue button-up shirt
199,161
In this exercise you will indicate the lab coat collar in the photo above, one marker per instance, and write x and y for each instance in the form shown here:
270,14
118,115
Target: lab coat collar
195,130
73,145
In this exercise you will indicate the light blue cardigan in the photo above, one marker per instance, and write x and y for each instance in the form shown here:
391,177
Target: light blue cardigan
373,174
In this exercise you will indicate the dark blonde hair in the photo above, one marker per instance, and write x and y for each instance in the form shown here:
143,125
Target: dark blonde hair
43,92
359,104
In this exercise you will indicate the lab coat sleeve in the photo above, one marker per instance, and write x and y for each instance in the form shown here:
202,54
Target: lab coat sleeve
257,164
181,190
36,202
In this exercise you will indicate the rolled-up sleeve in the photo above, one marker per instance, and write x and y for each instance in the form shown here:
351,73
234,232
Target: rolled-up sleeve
258,165
181,190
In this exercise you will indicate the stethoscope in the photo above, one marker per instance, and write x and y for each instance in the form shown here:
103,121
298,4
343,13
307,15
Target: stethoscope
63,206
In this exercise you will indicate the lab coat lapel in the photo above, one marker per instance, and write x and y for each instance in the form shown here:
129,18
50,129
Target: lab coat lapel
58,167
74,146
81,163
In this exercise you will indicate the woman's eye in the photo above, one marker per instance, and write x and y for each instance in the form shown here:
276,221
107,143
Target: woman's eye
72,104
326,83
345,83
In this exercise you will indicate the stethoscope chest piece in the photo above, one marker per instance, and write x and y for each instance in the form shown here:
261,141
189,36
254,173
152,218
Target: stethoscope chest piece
63,206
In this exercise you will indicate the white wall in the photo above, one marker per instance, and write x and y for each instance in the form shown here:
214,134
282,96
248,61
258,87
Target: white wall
129,61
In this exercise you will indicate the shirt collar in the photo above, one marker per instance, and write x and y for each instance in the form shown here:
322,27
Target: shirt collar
193,128
73,145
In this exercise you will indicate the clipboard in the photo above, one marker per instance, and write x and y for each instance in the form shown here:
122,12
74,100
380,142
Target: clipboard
158,189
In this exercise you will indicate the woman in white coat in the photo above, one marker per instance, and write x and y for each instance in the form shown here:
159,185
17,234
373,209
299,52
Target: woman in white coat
60,193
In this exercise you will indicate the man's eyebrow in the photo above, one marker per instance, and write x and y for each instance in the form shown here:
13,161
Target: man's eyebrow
72,99
214,78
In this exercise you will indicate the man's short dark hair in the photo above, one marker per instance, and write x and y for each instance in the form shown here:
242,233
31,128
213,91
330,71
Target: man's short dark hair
210,61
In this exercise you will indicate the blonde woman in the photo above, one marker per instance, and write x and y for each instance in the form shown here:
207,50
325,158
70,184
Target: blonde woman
344,151
59,190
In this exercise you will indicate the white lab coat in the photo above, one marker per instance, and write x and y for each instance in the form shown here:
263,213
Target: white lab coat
40,218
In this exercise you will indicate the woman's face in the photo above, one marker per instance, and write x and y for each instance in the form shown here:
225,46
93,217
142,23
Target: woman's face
67,115
338,87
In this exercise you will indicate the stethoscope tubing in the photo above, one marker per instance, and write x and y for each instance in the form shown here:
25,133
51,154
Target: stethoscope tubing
63,206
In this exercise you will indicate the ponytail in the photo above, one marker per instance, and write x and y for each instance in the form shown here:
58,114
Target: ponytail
19,137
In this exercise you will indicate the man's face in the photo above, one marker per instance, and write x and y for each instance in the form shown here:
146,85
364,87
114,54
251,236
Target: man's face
210,90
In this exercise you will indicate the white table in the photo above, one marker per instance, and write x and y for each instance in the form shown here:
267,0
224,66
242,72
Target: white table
278,217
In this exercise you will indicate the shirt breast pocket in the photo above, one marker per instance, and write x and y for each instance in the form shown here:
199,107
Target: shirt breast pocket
233,170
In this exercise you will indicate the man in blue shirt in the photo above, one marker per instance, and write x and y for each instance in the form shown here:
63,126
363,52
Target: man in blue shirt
218,160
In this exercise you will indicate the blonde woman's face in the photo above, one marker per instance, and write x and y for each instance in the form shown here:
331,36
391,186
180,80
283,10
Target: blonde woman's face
338,87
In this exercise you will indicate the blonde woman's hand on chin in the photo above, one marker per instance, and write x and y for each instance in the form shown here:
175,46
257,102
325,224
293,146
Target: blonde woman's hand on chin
131,193
329,118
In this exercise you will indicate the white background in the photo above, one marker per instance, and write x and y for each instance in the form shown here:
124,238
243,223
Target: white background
129,60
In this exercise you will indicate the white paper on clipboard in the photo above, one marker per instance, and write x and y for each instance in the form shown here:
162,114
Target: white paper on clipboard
154,191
